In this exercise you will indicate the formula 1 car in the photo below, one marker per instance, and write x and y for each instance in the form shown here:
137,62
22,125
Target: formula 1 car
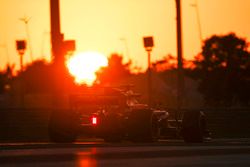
114,114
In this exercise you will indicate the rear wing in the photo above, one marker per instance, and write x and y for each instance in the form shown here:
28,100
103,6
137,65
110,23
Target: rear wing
102,96
93,100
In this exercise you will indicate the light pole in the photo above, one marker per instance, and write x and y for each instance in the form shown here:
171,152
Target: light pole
46,35
124,40
180,80
6,51
148,45
195,5
26,22
21,47
56,35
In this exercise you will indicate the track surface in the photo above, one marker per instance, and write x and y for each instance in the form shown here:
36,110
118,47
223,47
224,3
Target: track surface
234,152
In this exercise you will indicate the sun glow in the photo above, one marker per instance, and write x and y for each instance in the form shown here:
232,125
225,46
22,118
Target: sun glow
83,66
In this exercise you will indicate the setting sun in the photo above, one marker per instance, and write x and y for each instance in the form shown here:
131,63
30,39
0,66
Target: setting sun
83,66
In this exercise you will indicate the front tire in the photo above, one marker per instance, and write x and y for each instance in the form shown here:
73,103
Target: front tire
62,126
193,126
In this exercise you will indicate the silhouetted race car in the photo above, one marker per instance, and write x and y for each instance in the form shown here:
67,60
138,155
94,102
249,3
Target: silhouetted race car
114,114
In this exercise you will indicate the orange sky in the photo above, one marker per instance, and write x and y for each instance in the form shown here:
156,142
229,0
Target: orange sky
110,26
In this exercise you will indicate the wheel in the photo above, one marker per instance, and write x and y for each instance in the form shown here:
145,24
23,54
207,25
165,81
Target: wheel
143,126
193,126
155,127
63,125
111,128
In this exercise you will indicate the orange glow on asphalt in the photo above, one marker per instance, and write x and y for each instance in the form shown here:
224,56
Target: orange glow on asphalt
83,66
85,158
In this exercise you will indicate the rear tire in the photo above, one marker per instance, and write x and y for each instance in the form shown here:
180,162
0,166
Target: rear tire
63,125
143,126
111,128
193,126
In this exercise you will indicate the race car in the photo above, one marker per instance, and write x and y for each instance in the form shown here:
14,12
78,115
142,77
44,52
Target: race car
114,114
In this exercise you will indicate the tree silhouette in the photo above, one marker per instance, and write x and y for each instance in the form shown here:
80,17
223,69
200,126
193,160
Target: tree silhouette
5,78
3,81
39,77
223,68
168,62
115,70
